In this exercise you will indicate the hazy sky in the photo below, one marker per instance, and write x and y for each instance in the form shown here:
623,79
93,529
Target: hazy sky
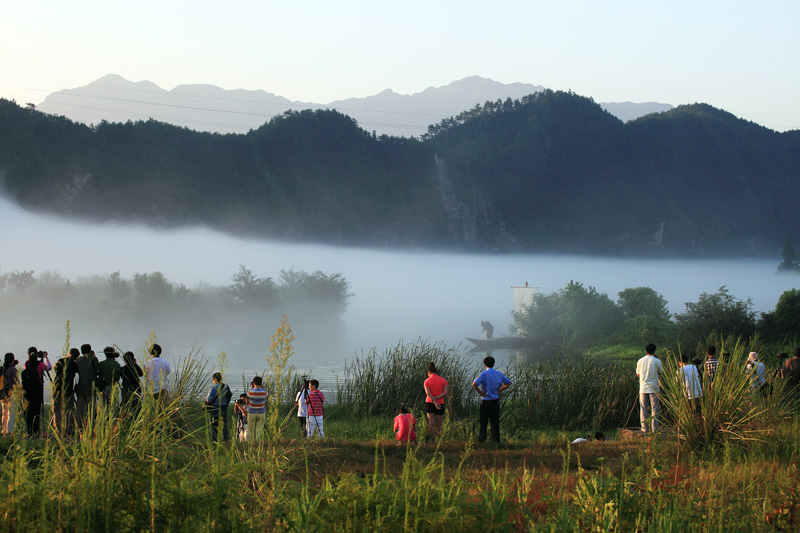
740,56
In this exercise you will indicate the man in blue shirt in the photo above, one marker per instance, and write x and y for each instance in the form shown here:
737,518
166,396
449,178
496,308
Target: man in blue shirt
489,384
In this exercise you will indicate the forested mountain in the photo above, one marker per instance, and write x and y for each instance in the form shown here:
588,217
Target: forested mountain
551,171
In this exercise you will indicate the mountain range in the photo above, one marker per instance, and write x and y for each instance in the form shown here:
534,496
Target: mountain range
210,108
551,171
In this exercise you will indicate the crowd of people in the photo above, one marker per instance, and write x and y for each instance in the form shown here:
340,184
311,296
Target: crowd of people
79,381
698,375
250,407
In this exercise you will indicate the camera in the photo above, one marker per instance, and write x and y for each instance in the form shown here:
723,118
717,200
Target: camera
41,355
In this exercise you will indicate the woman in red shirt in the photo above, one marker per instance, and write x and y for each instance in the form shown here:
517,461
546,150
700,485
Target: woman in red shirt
435,391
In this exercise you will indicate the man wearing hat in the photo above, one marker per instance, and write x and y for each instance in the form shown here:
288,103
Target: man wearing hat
110,372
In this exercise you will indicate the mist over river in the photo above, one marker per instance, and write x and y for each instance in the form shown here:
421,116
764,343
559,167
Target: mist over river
396,295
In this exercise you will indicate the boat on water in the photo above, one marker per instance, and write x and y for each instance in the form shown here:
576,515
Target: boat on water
522,299
501,343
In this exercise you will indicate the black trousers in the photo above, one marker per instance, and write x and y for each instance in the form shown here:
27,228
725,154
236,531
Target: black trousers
33,416
490,412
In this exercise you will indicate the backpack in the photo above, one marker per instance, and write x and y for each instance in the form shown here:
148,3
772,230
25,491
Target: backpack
31,383
227,396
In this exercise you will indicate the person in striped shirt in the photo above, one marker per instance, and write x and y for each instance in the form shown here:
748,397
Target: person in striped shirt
316,411
256,410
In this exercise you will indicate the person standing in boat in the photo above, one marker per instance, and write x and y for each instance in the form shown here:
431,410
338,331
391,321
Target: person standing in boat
488,330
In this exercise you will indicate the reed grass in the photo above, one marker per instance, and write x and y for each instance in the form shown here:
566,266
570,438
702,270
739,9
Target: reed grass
570,393
380,383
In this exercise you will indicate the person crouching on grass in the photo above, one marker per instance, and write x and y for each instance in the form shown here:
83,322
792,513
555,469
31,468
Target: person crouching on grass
316,410
404,424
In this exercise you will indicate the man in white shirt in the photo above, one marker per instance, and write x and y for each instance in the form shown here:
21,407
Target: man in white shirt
157,371
648,370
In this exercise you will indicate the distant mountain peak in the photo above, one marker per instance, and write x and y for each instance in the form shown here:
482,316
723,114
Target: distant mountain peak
206,107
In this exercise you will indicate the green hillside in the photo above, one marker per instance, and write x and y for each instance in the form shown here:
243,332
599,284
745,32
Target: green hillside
549,172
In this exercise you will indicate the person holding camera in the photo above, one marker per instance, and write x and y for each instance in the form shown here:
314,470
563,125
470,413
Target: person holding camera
301,401
256,410
87,381
217,406
110,372
64,393
131,382
33,386
9,375
240,408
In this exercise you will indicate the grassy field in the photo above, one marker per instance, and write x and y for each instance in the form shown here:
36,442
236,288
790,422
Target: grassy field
156,468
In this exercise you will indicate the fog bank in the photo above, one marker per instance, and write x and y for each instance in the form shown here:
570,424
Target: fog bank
397,295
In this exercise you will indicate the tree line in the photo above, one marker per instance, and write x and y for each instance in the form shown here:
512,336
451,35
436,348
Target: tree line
580,317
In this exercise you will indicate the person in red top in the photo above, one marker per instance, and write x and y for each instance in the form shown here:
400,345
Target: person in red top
404,425
435,391
316,410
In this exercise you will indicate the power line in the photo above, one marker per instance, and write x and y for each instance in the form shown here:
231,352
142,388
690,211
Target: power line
291,104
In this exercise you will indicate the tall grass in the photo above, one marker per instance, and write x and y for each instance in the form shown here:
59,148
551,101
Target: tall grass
570,393
731,410
379,383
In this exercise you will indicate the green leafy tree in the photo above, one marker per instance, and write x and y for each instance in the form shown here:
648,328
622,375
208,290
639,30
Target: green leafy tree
720,313
643,301
647,317
248,289
153,288
782,323
575,316
120,288
317,291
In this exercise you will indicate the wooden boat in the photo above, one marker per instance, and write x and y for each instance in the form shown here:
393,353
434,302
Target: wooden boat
501,343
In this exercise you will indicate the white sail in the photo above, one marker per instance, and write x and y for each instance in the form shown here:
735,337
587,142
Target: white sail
523,298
